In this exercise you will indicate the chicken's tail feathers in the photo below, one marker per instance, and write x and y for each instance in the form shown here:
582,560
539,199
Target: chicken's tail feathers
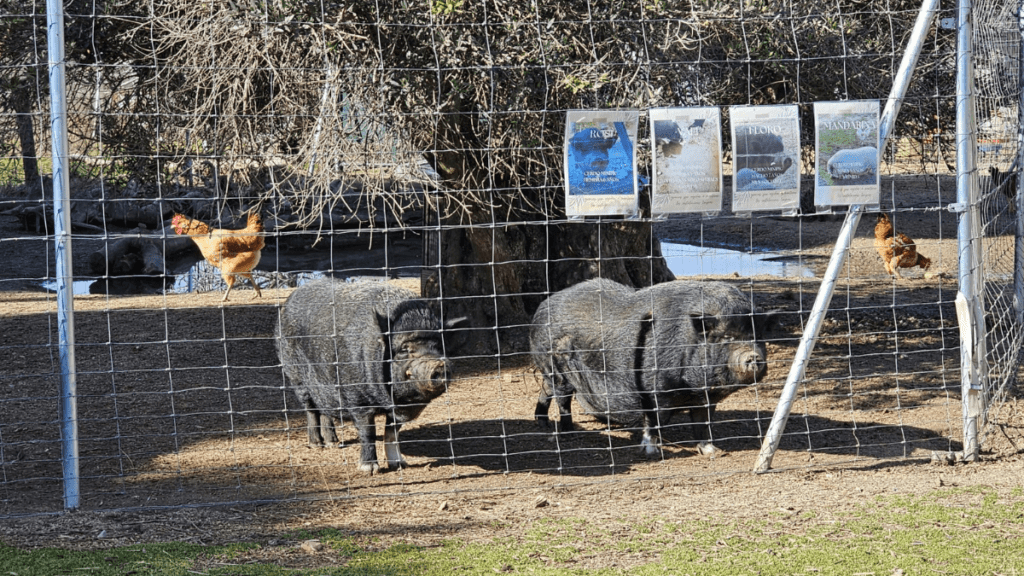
255,221
253,217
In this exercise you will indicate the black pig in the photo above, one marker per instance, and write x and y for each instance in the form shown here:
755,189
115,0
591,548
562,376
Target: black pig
637,357
584,340
705,341
357,350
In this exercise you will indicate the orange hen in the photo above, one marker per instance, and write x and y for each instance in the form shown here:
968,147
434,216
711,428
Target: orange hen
234,252
896,249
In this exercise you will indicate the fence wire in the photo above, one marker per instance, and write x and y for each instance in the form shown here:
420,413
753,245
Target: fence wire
997,50
421,146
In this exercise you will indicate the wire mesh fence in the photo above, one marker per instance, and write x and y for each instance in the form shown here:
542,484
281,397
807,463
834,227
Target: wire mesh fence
997,50
420,145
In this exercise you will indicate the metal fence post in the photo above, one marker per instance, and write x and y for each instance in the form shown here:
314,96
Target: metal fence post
62,243
969,306
821,302
1018,194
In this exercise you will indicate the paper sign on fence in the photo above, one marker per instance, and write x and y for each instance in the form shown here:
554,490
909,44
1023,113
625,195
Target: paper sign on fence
687,152
766,158
846,153
600,162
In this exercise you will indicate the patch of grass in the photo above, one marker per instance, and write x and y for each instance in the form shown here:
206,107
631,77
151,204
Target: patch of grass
12,171
954,531
140,560
909,534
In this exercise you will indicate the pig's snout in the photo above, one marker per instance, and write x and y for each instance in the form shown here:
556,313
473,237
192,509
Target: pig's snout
750,365
431,375
439,371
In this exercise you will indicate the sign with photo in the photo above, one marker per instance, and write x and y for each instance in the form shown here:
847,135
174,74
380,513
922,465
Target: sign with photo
765,158
600,162
687,153
846,153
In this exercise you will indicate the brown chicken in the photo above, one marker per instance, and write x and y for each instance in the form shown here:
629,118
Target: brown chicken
896,249
234,252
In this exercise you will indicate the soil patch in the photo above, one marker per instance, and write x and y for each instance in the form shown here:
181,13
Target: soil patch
187,430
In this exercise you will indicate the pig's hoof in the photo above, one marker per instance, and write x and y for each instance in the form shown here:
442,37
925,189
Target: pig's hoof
651,453
649,449
710,450
370,467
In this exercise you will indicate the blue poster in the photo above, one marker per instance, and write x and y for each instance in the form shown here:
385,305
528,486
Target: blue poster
600,162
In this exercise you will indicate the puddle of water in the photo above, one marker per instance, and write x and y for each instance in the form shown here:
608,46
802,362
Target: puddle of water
683,260
199,278
78,287
688,260
204,277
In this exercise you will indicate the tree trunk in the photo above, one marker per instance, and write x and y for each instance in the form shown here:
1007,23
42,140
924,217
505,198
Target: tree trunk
21,100
138,255
497,276
496,273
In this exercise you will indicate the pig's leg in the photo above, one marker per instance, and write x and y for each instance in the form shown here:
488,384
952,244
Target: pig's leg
554,386
327,429
540,414
651,442
313,423
367,441
563,391
701,417
395,459
564,402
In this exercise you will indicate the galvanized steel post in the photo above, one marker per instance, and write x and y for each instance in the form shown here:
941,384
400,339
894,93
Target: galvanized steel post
1018,198
62,243
803,353
970,308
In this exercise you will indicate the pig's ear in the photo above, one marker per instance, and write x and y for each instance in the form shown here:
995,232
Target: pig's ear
703,325
459,322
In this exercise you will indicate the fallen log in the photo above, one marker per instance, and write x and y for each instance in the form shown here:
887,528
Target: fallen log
38,218
133,213
138,255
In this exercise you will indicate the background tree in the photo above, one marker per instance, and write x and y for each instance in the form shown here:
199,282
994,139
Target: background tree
98,47
20,76
303,99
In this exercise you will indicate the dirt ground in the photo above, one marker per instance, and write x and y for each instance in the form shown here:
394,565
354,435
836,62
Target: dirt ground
181,405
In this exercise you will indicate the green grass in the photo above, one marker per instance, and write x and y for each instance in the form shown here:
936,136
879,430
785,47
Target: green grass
12,172
143,559
953,531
